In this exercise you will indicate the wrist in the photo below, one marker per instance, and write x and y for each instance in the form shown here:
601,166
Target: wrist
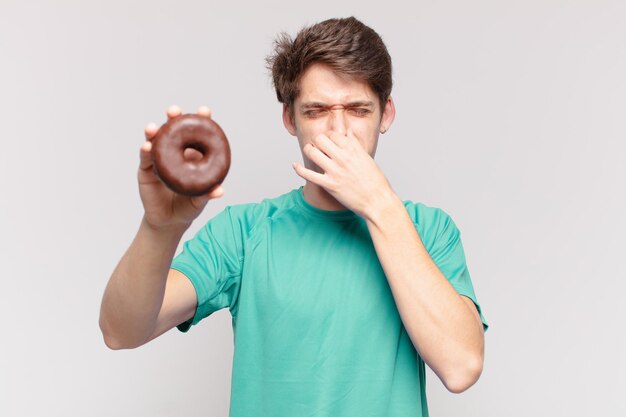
171,229
383,206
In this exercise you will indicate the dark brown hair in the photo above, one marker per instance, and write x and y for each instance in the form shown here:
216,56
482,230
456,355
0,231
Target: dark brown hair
346,45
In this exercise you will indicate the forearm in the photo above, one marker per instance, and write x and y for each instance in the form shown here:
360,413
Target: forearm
442,327
134,294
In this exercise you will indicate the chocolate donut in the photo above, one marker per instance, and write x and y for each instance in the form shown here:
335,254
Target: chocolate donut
186,176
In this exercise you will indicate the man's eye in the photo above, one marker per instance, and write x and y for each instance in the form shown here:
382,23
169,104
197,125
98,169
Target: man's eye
359,111
315,113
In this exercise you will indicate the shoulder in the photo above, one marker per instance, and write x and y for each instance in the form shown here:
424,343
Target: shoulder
246,217
432,223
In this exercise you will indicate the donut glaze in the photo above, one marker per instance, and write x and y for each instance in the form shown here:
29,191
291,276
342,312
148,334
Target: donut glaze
185,176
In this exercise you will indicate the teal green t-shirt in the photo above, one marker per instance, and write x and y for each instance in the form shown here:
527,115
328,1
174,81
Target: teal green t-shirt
316,330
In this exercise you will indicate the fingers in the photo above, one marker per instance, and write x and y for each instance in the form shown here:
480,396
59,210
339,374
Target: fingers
173,111
192,155
151,130
318,157
145,156
309,175
217,192
339,139
326,145
204,111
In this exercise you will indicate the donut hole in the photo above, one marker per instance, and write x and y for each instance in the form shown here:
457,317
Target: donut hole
194,152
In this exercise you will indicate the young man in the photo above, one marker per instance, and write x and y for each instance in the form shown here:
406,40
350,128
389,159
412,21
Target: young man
340,292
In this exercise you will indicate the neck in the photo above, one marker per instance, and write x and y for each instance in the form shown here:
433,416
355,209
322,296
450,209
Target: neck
320,198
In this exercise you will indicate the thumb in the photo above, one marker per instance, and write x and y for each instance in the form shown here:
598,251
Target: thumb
201,200
217,192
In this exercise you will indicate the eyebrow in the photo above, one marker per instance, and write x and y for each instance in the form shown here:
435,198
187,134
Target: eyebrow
317,105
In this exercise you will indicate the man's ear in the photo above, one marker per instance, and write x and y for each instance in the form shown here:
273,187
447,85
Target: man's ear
288,121
389,114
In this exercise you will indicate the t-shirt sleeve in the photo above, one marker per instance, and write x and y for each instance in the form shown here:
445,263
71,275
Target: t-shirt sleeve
211,260
442,239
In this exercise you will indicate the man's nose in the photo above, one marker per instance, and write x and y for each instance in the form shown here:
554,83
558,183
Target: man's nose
337,120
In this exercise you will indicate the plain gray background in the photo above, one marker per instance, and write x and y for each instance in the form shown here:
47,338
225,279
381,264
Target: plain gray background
511,117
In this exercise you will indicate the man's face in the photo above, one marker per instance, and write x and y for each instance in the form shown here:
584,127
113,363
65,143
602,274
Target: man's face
331,102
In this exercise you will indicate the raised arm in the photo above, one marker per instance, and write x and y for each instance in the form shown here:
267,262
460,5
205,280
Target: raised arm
444,326
144,298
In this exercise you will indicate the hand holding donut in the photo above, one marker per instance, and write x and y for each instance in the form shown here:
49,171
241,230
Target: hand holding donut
163,207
